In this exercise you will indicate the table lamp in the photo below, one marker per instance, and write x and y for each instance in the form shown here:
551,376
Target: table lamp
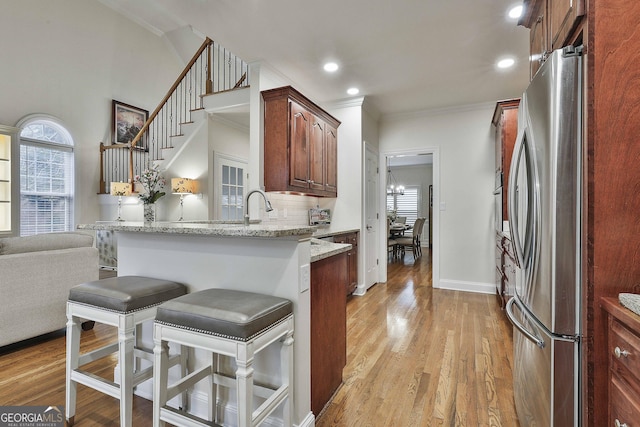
182,186
120,189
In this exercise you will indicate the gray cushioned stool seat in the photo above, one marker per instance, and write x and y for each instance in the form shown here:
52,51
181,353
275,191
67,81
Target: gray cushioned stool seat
224,312
126,293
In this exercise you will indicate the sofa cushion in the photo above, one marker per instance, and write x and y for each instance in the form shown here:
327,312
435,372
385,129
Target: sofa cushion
45,242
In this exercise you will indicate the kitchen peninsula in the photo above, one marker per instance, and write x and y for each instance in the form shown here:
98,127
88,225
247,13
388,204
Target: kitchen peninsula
268,259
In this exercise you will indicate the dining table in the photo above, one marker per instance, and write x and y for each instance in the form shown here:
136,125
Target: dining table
397,229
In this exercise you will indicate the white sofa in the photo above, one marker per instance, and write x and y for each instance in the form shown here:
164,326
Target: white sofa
36,273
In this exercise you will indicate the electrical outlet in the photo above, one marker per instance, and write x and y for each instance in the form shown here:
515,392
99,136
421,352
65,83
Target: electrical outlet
305,277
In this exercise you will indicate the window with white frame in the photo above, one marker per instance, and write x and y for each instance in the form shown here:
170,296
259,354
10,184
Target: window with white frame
405,204
46,177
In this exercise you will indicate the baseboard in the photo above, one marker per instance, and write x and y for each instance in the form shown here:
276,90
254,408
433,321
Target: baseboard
360,290
460,285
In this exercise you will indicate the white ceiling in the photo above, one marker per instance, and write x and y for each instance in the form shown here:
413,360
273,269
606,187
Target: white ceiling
404,55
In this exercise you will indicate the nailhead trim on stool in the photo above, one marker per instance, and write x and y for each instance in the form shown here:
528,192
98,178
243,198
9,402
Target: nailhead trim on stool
124,302
226,323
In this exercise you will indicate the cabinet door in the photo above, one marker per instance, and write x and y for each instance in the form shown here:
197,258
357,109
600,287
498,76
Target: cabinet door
331,160
298,152
563,16
352,256
538,42
316,154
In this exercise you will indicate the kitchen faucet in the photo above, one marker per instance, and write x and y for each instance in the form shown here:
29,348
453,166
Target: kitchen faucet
267,204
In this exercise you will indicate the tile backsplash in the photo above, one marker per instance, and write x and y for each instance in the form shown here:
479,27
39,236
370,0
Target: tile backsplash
288,209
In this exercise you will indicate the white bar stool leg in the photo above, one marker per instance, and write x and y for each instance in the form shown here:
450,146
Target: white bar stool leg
160,378
286,367
244,378
214,388
73,352
125,358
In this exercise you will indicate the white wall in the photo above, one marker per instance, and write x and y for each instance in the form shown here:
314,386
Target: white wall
69,59
465,139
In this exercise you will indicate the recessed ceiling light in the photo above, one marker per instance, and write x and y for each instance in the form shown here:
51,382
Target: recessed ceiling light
515,12
331,67
506,63
353,91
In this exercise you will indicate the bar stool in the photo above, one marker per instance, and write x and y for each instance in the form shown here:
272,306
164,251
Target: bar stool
124,302
232,324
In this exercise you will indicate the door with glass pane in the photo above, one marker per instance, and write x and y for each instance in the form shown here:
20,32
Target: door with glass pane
230,185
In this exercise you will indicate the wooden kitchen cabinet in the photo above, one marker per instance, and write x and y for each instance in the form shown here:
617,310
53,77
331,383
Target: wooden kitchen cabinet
509,270
538,39
300,144
505,120
328,328
551,23
623,347
564,15
500,277
352,256
505,269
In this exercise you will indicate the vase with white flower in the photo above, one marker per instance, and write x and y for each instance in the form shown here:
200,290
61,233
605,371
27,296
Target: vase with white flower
152,183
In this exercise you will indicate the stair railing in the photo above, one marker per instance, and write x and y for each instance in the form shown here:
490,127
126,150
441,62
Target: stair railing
212,69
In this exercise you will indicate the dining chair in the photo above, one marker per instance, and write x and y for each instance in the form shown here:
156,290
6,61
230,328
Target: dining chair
412,241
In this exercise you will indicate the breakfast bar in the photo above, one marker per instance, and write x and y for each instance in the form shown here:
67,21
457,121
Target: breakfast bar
267,259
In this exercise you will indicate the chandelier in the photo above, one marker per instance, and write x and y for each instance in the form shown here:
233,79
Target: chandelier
392,186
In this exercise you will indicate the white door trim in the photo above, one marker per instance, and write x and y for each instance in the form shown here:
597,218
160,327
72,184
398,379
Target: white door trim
435,250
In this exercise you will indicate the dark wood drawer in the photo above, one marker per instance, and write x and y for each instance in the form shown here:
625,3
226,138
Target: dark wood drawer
625,404
624,351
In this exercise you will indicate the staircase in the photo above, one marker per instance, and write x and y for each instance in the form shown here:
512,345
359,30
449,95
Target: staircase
214,80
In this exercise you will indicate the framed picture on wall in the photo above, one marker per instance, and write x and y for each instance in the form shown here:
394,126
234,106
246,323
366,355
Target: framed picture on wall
127,121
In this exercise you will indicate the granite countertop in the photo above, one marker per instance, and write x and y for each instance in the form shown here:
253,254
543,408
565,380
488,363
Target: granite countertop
204,229
321,249
325,232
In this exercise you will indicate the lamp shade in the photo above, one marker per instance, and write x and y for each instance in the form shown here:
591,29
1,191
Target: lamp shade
183,186
120,189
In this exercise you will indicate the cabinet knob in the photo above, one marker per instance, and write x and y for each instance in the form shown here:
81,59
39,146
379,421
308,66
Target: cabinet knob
620,353
619,424
310,181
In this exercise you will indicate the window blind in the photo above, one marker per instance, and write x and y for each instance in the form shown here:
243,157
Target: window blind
46,179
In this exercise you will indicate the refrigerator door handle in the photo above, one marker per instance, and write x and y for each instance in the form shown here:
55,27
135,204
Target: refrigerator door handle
519,326
512,201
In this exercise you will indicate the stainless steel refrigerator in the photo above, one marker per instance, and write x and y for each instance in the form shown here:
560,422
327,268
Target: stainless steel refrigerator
544,202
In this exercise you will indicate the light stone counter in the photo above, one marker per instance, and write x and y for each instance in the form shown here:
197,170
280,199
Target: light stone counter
205,229
321,249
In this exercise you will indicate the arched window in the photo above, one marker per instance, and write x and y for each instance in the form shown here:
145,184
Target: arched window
46,176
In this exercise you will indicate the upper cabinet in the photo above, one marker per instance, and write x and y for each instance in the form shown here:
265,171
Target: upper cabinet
505,120
552,23
9,186
300,144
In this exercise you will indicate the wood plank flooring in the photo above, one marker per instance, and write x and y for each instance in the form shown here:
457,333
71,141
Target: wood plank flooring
419,356
416,357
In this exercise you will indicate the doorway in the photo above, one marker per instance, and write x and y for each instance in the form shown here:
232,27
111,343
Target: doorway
407,167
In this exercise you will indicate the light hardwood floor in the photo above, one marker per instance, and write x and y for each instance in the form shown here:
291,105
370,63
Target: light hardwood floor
419,356
416,357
